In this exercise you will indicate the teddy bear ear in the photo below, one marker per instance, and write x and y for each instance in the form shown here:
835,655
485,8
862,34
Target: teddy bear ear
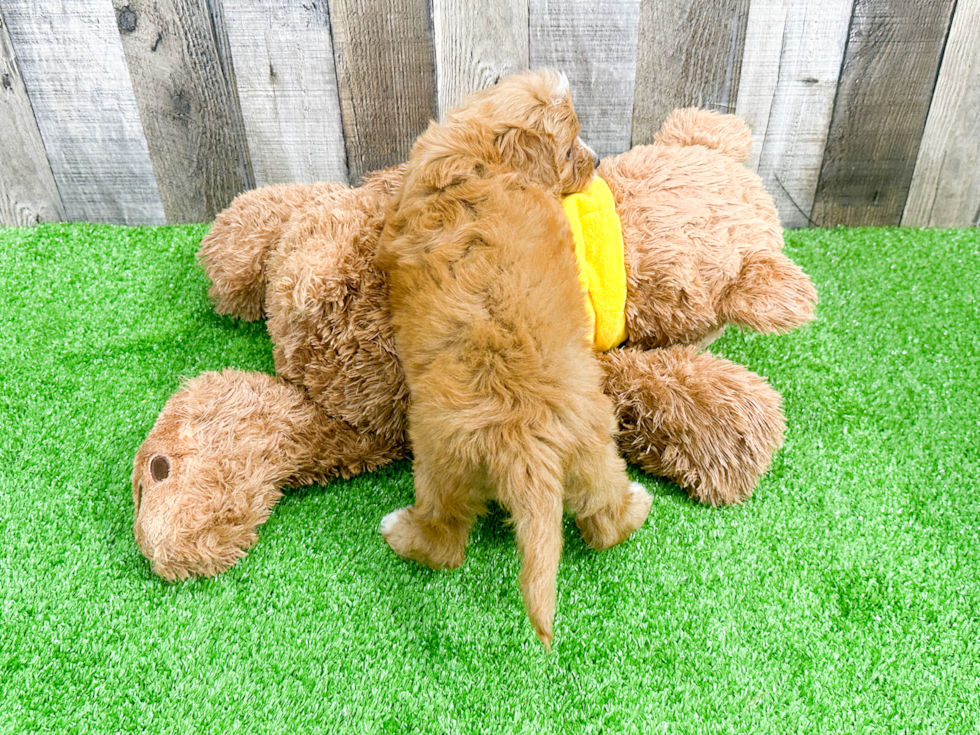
530,152
771,294
726,134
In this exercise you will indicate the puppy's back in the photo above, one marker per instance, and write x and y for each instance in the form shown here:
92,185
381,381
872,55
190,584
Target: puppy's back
487,267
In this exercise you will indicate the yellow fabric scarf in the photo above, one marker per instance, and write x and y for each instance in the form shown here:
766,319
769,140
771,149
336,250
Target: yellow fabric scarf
601,264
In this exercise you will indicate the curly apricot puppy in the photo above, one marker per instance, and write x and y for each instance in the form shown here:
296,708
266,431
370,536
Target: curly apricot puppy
506,395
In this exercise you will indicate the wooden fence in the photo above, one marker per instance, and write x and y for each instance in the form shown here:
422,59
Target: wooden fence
152,111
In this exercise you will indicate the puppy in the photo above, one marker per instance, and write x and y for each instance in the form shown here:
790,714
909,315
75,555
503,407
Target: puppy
491,327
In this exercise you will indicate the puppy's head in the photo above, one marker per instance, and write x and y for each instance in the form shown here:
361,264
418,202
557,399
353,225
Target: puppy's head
534,129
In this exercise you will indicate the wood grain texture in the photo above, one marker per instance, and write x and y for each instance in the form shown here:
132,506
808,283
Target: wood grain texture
75,73
191,118
595,44
945,189
883,95
216,15
287,89
789,75
689,55
28,193
476,44
385,64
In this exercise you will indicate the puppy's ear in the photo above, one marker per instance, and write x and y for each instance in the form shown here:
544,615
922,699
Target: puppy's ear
531,153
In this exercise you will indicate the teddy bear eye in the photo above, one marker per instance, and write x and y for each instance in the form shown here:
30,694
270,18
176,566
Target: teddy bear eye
159,468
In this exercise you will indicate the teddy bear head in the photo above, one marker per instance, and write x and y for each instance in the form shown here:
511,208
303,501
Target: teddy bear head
702,237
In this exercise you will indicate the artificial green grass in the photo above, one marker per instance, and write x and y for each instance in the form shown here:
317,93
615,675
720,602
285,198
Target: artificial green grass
842,598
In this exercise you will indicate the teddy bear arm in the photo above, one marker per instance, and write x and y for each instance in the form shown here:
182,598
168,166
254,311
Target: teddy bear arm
213,467
770,295
707,424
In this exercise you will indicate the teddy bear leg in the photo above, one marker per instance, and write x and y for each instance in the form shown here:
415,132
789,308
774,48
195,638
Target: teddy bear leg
234,251
708,424
211,470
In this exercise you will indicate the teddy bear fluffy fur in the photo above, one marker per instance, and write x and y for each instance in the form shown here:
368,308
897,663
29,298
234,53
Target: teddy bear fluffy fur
703,250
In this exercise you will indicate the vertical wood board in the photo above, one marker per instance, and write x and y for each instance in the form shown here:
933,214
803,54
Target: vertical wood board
165,109
765,35
883,95
28,194
945,190
75,73
689,55
216,15
385,64
191,118
476,44
287,88
595,44
790,69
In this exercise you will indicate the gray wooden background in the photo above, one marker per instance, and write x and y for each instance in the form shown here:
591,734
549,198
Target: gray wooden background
865,112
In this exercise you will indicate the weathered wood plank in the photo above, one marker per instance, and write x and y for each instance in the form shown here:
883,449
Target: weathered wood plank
765,31
287,88
385,64
689,55
28,193
477,44
945,190
216,13
191,118
886,84
75,73
595,44
790,69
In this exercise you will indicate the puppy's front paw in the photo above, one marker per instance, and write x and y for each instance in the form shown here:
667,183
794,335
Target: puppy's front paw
437,547
399,531
640,495
389,521
640,504
613,524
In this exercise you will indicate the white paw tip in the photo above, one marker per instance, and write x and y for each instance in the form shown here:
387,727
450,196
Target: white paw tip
389,521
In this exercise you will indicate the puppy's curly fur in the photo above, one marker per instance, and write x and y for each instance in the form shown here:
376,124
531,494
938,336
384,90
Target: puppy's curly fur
506,396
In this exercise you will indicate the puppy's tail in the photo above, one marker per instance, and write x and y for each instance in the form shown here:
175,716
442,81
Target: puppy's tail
234,252
533,494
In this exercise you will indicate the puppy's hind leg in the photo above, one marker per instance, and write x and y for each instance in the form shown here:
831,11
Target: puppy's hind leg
435,530
607,506
532,493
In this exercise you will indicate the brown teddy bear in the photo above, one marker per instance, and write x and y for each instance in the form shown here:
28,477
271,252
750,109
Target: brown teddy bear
702,247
